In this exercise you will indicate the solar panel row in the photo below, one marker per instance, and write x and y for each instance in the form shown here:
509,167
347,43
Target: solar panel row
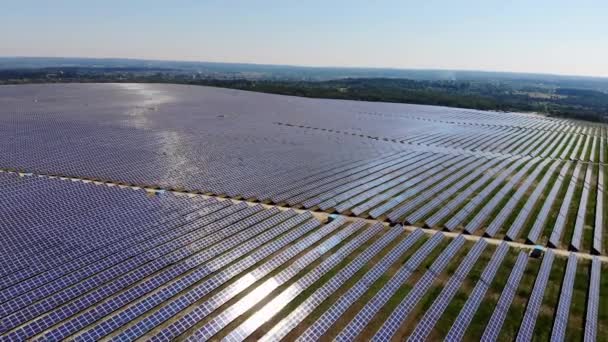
231,227
433,314
286,325
323,323
593,302
365,315
497,319
562,215
545,211
528,323
278,302
401,312
563,307
529,205
469,309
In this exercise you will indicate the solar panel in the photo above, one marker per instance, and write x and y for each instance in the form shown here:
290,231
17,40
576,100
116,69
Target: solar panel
103,275
593,301
536,298
324,322
583,155
577,147
562,216
189,297
411,191
481,197
563,307
467,312
599,213
281,300
433,314
497,319
344,185
527,208
206,266
365,315
96,252
593,149
543,215
426,195
481,216
456,202
399,315
342,193
356,195
393,187
284,326
582,211
509,207
469,173
222,319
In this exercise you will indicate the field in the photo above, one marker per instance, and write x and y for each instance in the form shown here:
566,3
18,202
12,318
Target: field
140,211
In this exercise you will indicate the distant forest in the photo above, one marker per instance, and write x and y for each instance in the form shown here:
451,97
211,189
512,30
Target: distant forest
585,103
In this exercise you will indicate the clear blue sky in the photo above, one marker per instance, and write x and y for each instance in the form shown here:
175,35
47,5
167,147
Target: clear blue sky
550,36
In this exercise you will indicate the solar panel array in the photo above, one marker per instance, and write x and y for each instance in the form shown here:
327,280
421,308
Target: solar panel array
423,165
201,268
89,260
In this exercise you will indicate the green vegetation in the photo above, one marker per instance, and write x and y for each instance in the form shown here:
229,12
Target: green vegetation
563,99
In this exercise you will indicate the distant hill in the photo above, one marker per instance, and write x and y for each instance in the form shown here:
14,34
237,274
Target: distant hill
286,72
583,98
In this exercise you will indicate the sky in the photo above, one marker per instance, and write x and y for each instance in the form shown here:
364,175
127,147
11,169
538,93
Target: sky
541,36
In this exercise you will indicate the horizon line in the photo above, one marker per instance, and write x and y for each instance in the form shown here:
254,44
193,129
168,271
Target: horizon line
317,66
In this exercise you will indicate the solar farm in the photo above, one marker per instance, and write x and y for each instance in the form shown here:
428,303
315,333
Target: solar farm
173,212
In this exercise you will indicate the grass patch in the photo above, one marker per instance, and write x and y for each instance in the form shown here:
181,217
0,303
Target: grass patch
516,312
381,316
429,297
576,320
542,330
486,308
452,311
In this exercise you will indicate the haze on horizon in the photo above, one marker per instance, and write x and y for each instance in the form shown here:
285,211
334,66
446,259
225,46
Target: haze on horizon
544,36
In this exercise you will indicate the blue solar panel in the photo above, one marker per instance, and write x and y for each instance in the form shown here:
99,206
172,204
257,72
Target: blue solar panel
356,325
563,306
495,323
598,230
467,312
222,319
593,301
323,323
581,215
433,314
562,216
282,299
545,211
174,306
207,262
399,315
528,323
283,327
